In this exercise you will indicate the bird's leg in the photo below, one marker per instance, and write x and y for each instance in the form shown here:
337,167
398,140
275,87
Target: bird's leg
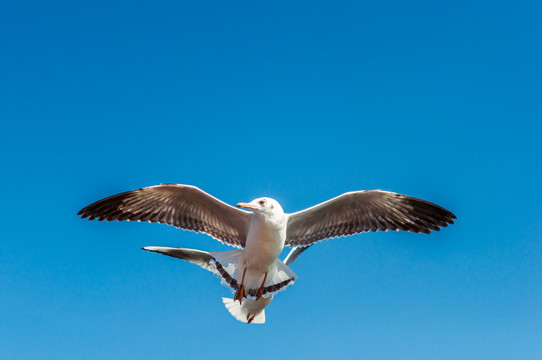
241,293
260,290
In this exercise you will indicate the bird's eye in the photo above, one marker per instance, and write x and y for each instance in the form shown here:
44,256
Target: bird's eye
262,202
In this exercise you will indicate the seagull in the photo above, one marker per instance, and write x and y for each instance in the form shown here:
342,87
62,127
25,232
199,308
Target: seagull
261,233
251,310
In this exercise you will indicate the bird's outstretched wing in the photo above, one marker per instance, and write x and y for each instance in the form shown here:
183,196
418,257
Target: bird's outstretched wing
198,257
293,254
362,211
182,206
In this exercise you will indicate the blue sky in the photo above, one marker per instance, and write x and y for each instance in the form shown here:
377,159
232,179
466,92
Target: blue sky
299,101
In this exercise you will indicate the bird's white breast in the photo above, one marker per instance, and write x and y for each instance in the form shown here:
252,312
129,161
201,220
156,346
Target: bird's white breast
265,241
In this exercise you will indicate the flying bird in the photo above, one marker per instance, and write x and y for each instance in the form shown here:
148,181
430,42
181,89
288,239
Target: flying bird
255,271
251,310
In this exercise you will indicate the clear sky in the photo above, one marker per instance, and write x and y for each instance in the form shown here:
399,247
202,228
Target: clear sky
299,101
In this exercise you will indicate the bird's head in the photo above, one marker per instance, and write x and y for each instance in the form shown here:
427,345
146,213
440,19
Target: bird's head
266,207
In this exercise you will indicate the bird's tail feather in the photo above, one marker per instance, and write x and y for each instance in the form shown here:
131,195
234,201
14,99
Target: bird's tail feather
241,312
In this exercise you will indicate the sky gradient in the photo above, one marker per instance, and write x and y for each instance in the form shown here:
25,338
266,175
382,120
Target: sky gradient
297,101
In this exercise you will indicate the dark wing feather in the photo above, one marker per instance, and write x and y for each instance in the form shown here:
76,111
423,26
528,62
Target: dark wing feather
182,206
362,211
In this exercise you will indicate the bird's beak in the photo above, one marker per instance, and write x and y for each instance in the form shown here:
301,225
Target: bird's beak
245,205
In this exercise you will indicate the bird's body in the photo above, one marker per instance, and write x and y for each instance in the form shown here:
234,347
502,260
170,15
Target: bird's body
255,271
265,241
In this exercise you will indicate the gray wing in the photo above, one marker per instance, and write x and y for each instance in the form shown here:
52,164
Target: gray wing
182,206
293,254
200,258
361,211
